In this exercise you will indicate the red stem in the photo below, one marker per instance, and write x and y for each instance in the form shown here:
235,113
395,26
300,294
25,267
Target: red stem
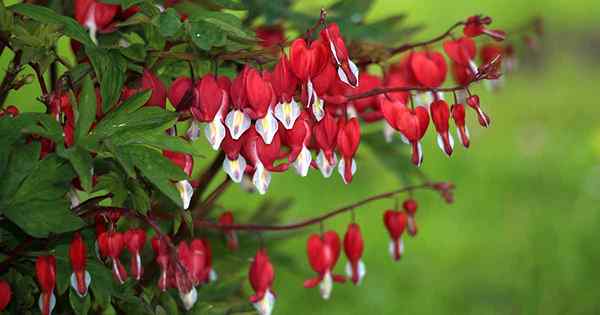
315,220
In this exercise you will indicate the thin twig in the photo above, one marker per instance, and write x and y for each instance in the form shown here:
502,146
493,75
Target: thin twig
409,46
315,220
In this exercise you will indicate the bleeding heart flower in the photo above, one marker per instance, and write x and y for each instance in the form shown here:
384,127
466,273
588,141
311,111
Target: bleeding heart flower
458,115
297,138
159,91
346,69
95,15
234,164
440,115
429,68
237,120
5,294
395,222
308,60
182,94
462,52
325,132
476,25
323,253
348,139
213,103
186,163
267,154
45,271
135,239
284,84
226,218
473,102
111,245
161,249
261,276
492,56
80,278
410,207
412,124
11,111
353,247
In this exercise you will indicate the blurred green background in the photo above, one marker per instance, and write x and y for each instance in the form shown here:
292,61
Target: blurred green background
521,237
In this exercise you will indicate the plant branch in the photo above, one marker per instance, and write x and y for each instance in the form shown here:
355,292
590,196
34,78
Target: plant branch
439,186
409,46
10,76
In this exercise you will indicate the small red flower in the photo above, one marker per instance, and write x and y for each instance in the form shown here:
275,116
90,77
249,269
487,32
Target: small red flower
476,25
473,102
111,245
412,124
5,294
80,278
353,247
346,69
325,133
348,139
461,51
395,222
440,115
261,276
410,207
284,84
226,218
458,115
429,68
323,253
308,60
45,271
95,15
161,249
297,139
186,163
182,94
135,239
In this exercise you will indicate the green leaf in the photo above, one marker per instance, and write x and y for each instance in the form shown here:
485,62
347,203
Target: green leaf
110,68
159,170
168,303
70,27
135,52
102,283
37,204
139,197
86,109
82,163
158,140
80,305
205,36
116,184
169,22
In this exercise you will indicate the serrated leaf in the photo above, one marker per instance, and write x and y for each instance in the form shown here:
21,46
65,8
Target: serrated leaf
169,22
110,69
70,27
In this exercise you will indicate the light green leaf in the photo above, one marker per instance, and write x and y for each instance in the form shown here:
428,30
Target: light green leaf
169,22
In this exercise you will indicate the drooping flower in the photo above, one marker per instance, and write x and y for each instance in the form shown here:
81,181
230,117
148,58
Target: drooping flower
237,120
111,245
323,253
325,134
353,247
234,164
297,139
410,207
80,278
213,103
5,294
226,218
476,25
458,115
346,69
440,115
412,124
186,163
284,84
260,100
161,249
95,15
45,271
429,68
261,276
182,94
348,139
473,102
395,222
135,239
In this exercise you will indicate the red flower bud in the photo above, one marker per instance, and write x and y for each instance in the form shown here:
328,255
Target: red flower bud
395,222
226,218
473,102
410,207
45,270
348,139
135,240
458,115
80,278
5,294
182,94
440,115
353,247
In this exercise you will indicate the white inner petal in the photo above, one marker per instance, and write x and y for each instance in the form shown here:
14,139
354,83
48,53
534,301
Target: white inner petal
261,179
326,285
388,132
342,169
325,167
237,122
318,108
265,306
267,127
215,132
287,113
189,298
235,169
193,131
302,163
185,191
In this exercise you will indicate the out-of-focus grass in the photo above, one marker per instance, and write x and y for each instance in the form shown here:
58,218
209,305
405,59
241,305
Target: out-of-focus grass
521,237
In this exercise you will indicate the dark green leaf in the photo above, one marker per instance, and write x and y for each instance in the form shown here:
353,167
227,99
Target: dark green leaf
139,197
45,15
205,36
80,305
169,22
86,109
102,283
157,139
82,163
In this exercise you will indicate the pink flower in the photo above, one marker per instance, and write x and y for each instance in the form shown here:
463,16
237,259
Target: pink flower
323,253
353,247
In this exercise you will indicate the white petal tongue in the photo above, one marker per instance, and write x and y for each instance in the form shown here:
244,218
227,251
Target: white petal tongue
237,122
310,92
342,169
215,132
185,191
267,127
318,108
235,168
324,164
193,131
265,306
302,163
261,179
287,113
52,303
442,146
189,299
